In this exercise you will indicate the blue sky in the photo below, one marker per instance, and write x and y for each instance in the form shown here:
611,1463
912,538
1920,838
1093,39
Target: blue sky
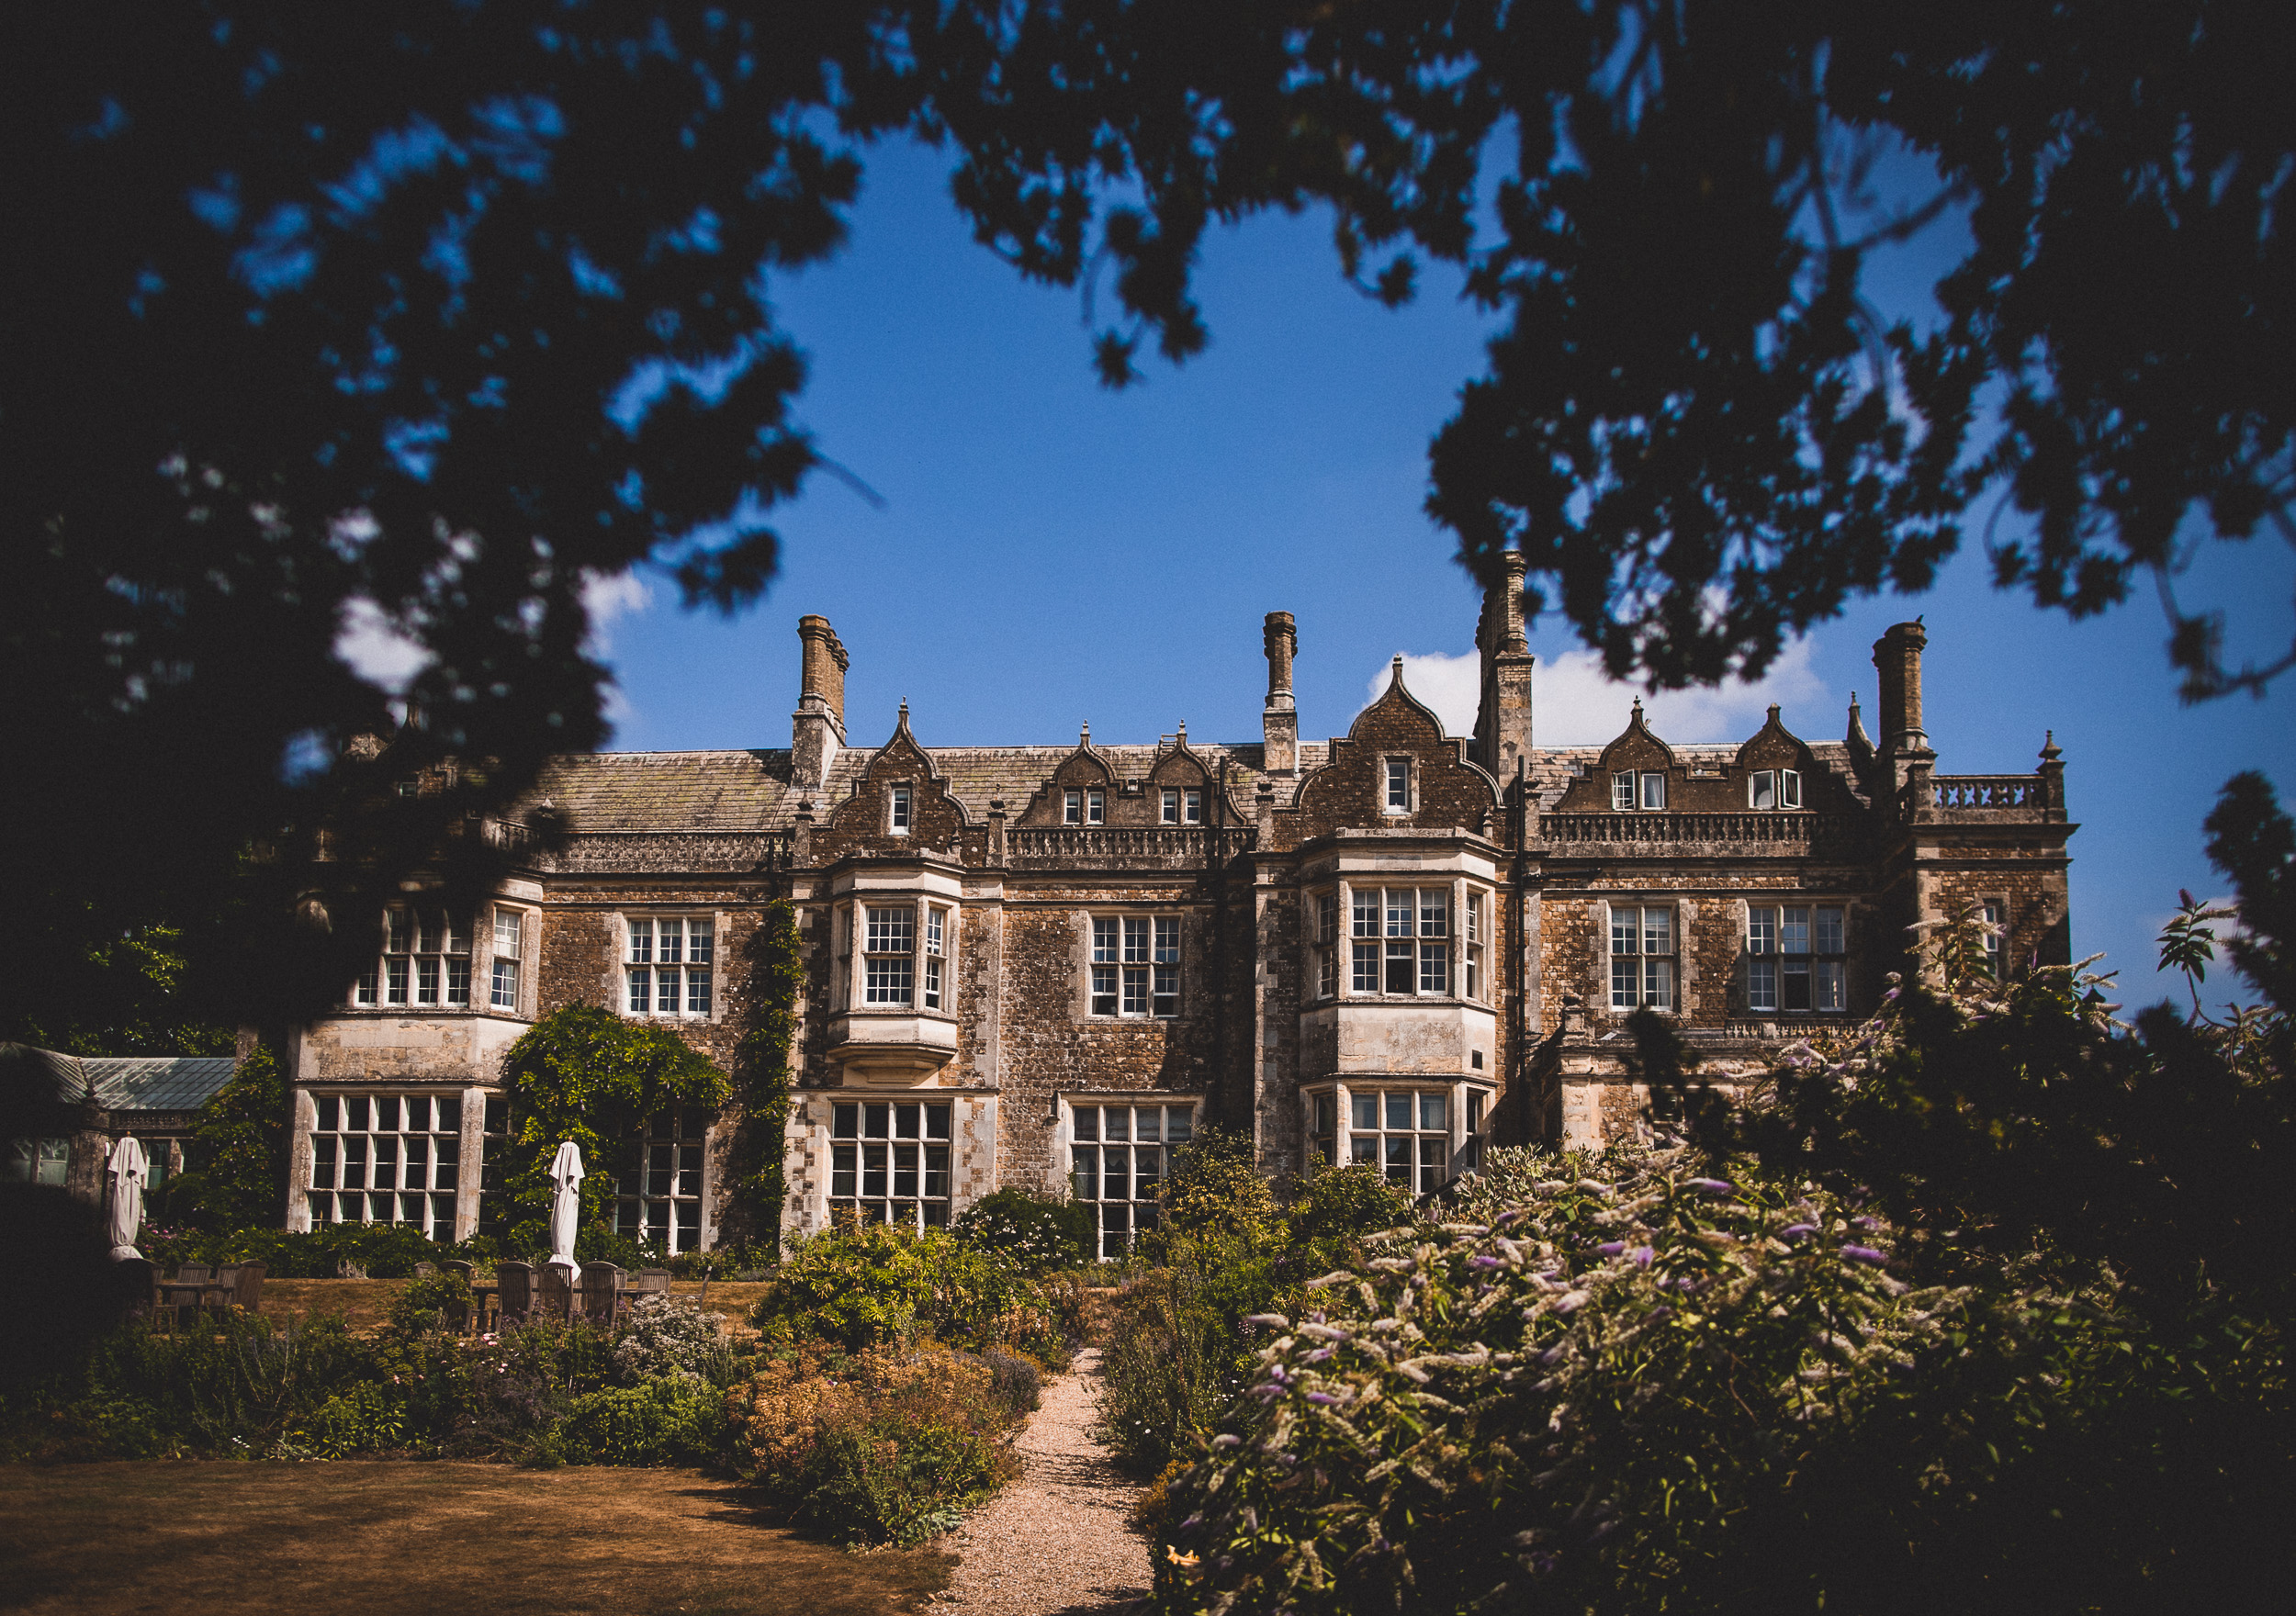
1050,552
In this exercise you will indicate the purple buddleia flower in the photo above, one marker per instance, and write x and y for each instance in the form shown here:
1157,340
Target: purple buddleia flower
1226,1439
1486,1263
1319,1355
1641,1256
1323,1399
1864,1254
1611,1248
1794,1231
1714,1187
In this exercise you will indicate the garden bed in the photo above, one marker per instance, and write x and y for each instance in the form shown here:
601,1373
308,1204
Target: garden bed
381,1536
365,1303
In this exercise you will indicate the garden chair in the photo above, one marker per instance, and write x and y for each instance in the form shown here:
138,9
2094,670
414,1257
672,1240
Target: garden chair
224,1289
514,1291
601,1292
648,1281
554,1294
250,1286
425,1271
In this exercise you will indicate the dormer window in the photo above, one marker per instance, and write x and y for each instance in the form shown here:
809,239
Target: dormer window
1399,785
1096,806
1775,788
899,818
1072,807
1182,807
1630,789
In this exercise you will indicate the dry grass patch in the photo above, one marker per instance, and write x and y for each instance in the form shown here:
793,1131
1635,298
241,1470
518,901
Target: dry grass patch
386,1537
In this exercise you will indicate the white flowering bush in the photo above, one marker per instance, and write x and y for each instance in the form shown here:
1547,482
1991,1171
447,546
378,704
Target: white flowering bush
669,1336
1639,1388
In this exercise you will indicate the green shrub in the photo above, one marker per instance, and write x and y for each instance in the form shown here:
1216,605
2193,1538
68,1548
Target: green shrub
1036,1234
440,1301
865,1287
677,1419
363,1420
1640,1389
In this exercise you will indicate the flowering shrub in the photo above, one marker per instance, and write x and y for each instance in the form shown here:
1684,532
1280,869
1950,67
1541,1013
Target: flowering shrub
880,1446
439,1301
671,1335
1625,1392
1034,1234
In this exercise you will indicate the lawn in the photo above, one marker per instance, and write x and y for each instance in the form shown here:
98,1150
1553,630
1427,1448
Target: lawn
382,1537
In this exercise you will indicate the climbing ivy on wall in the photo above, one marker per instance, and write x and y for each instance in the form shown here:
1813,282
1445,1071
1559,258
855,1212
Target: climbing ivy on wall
584,1073
761,1075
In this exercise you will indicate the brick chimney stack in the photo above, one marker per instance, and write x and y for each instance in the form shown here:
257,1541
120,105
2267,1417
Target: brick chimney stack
1502,722
1279,721
817,728
1904,745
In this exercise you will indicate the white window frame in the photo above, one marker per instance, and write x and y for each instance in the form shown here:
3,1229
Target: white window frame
1100,1157
659,1206
1472,964
423,966
1323,932
1133,968
1797,951
1073,806
1644,976
933,957
1096,805
654,956
1774,790
901,808
510,953
1993,914
1181,805
888,955
892,1160
1398,1127
1396,935
1398,773
354,1135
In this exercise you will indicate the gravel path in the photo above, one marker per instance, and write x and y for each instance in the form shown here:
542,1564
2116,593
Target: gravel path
1055,1541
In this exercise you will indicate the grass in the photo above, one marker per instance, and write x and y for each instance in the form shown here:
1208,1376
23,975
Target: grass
384,1537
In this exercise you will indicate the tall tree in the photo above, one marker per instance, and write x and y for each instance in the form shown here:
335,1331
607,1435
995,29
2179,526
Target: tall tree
402,324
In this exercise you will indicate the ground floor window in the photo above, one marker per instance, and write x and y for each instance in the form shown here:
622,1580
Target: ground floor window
1406,1133
889,1162
1117,1158
37,1161
660,1205
387,1159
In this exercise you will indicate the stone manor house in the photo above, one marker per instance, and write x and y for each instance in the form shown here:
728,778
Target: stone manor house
1046,965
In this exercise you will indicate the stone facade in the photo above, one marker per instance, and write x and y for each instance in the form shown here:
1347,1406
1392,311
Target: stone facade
1043,965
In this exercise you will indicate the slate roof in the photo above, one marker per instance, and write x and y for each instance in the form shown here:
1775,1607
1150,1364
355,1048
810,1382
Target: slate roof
182,1083
605,792
749,792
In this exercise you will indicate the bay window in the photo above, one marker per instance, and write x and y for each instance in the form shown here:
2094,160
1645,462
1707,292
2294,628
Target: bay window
889,1162
1400,940
425,963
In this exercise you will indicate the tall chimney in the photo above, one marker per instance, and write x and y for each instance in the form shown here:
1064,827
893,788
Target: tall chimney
817,728
1904,745
1279,721
1502,724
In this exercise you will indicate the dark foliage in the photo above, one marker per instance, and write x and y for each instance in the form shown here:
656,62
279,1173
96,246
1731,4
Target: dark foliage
69,1290
239,1155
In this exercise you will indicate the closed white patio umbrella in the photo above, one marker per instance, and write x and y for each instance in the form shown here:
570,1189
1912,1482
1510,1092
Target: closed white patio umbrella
124,1171
566,1207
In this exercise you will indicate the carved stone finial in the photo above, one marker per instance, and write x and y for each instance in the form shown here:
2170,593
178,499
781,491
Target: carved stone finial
2050,750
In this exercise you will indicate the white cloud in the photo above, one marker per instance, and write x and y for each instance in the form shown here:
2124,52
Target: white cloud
1573,704
377,649
607,596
